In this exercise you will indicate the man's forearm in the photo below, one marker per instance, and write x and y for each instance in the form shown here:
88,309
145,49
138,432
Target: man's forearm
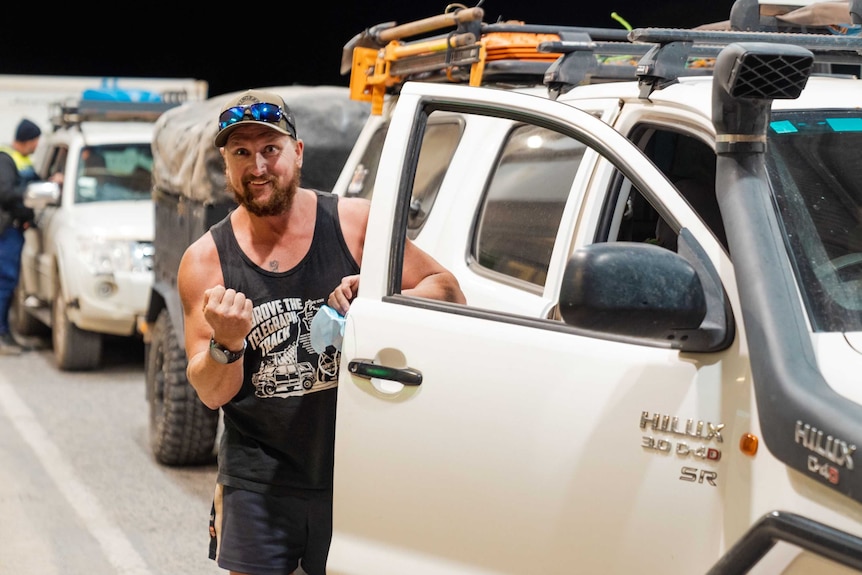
215,383
441,286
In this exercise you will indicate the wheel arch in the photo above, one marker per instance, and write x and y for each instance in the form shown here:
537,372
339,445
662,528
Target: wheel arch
164,295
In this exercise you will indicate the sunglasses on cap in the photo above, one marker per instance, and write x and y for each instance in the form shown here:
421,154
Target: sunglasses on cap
261,111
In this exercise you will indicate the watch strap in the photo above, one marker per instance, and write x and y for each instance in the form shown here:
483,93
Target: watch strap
224,355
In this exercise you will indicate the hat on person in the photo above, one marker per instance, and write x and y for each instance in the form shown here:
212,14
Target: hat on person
255,107
27,131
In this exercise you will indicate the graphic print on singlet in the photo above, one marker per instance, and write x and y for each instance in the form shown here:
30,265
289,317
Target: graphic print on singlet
286,372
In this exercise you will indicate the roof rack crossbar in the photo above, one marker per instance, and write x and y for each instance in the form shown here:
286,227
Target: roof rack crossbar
605,48
584,61
664,64
813,42
673,48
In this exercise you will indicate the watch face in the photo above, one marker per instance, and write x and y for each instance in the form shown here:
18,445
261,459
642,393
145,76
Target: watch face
218,353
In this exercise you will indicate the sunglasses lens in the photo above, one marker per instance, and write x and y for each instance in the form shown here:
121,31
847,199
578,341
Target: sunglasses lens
230,116
262,112
265,112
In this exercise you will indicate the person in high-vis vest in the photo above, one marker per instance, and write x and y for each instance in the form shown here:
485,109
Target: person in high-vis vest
16,171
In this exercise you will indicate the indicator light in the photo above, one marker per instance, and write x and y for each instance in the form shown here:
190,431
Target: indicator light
748,443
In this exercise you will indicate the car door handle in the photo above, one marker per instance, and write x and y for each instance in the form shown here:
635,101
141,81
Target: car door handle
367,369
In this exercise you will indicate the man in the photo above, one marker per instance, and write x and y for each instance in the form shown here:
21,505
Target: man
250,288
16,171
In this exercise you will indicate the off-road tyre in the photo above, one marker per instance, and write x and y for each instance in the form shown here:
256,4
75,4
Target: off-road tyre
182,429
75,349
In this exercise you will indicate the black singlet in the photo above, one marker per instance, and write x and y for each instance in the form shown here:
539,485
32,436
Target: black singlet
279,430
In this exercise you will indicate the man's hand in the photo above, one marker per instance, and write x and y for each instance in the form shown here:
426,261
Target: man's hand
343,294
229,313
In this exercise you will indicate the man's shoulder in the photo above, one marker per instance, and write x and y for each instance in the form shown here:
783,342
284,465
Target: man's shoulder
358,207
200,261
8,170
202,246
354,212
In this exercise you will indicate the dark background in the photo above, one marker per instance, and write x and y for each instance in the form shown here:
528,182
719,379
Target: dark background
256,44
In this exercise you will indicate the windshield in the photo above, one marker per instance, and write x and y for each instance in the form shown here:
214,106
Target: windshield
816,178
119,172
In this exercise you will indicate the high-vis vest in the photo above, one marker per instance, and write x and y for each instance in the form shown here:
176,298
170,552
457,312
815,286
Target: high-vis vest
26,171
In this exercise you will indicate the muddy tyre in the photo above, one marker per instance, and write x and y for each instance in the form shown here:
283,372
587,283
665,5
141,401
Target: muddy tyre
75,349
182,429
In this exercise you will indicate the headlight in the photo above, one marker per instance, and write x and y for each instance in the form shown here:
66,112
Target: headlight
104,257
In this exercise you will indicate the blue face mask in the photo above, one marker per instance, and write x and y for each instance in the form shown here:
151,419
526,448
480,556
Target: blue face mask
327,328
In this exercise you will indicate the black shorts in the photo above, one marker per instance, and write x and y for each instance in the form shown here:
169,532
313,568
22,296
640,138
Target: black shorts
264,534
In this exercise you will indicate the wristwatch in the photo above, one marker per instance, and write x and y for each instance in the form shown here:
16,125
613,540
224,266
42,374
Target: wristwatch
222,354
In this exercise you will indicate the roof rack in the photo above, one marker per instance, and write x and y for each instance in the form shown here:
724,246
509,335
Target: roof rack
112,104
379,61
74,112
514,53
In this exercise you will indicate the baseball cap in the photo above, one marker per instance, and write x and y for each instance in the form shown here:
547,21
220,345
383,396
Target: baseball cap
255,107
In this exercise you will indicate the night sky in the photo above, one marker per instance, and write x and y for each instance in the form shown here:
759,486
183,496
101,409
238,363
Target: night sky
246,45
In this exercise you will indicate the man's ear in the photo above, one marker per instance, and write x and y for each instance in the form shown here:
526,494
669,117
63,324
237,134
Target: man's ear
300,145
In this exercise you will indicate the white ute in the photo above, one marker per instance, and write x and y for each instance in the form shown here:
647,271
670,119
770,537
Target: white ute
659,234
86,267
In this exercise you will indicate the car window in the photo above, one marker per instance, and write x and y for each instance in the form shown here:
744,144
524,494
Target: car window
522,207
438,147
57,161
512,198
689,163
442,134
362,182
114,173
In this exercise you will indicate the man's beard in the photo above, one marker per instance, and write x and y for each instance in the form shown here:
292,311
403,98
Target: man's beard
279,201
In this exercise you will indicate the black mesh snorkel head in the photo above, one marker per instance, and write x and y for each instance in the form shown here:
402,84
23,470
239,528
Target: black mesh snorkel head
746,78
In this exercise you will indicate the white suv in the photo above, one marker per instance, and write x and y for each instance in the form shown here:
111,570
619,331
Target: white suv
86,267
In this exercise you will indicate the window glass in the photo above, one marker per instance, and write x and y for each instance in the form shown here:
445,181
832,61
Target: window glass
815,177
117,172
690,164
362,183
441,138
438,147
524,203
57,164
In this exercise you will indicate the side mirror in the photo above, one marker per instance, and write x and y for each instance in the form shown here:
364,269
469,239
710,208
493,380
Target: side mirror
625,290
38,195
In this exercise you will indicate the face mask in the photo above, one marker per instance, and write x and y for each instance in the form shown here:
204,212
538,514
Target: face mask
327,328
